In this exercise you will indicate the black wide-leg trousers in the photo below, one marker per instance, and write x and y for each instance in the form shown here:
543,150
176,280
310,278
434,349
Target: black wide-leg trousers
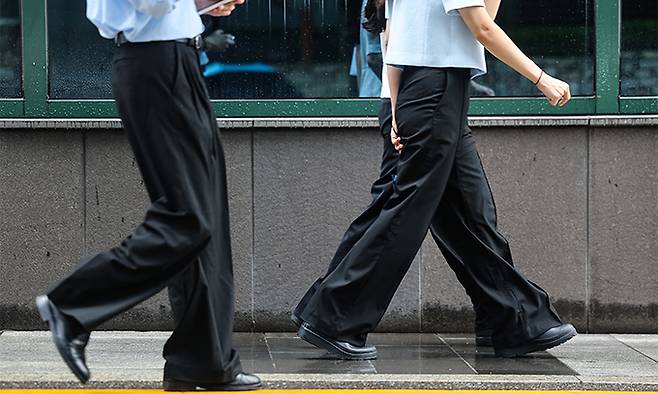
440,186
184,241
381,191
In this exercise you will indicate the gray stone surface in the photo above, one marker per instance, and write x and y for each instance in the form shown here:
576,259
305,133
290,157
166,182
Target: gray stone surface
647,344
133,359
598,355
539,181
41,217
624,230
309,183
237,148
116,202
308,187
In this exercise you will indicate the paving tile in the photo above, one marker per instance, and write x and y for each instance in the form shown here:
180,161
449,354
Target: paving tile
484,361
288,345
258,366
601,355
324,366
381,339
419,360
646,344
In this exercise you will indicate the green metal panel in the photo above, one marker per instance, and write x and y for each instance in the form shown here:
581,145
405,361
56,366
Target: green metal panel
80,109
639,105
530,106
35,71
325,108
11,108
608,30
290,108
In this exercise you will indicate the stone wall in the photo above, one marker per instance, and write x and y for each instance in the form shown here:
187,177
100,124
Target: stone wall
579,205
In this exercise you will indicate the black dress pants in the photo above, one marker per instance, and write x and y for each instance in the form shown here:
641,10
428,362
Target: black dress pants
184,241
441,186
381,191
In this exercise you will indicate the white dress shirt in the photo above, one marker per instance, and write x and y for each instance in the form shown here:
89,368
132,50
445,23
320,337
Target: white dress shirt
431,33
145,20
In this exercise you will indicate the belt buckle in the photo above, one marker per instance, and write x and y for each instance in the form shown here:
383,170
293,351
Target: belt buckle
197,42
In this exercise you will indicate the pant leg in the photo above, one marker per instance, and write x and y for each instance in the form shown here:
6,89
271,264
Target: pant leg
166,118
465,228
443,231
351,301
381,191
205,291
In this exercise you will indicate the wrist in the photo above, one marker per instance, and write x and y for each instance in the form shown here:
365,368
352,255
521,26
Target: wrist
539,78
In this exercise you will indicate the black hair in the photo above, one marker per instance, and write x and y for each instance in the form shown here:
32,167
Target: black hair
374,15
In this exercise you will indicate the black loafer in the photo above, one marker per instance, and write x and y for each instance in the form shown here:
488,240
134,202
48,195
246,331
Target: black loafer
343,350
69,337
552,337
242,382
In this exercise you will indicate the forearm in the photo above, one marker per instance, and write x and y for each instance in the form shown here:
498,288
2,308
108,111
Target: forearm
487,32
394,74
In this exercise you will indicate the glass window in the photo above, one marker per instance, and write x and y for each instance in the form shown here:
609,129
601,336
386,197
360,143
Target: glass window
311,48
283,49
639,48
558,35
10,49
79,59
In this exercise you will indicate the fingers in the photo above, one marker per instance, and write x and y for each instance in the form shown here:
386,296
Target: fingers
566,96
396,140
225,9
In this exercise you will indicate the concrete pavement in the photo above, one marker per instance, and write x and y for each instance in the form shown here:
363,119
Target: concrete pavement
436,361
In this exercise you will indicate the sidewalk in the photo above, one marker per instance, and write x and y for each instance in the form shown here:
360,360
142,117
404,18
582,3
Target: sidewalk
439,361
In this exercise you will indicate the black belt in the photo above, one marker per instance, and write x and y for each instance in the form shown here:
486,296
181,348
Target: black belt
196,42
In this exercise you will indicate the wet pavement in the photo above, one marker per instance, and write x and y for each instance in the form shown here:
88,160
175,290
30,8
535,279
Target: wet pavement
133,359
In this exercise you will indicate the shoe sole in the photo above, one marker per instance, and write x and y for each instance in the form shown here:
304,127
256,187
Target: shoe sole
318,341
537,347
186,386
43,306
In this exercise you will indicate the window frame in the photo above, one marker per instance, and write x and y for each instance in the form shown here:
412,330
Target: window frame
607,21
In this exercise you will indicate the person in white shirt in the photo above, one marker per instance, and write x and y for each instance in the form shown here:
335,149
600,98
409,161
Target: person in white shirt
434,49
184,241
382,190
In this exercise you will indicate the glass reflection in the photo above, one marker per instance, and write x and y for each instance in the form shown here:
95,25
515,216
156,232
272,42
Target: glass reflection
639,48
10,49
308,49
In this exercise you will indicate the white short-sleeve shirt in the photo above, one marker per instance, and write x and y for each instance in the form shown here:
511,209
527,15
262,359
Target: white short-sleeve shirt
431,33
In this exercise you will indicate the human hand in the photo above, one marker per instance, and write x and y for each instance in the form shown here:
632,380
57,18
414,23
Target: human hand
395,138
226,9
218,41
556,91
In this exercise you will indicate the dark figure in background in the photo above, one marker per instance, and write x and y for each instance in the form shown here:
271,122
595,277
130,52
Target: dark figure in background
184,241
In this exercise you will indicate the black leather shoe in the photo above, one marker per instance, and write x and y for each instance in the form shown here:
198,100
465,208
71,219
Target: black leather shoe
483,338
70,338
242,382
344,350
552,337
